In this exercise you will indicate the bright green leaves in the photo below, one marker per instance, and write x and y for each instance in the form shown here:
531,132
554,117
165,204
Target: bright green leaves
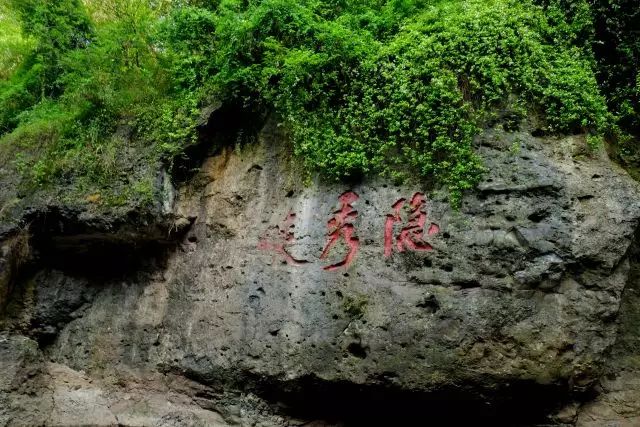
13,45
57,26
609,30
570,97
397,88
186,35
407,101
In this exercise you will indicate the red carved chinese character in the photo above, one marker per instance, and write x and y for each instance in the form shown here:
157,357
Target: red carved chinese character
283,237
341,226
411,236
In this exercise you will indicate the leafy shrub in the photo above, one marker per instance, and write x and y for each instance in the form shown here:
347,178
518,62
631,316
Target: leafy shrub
397,88
365,95
611,31
13,46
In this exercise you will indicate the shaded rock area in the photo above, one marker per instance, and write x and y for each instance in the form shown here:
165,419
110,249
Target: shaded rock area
616,399
265,297
14,254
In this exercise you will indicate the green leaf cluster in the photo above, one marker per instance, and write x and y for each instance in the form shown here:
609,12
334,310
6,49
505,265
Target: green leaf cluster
401,88
397,88
610,29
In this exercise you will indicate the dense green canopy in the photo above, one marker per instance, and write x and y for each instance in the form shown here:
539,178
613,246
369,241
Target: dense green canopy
389,87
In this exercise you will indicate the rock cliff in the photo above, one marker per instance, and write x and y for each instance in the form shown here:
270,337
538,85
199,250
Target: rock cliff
255,294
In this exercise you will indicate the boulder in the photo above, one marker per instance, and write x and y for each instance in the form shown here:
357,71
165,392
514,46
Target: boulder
365,301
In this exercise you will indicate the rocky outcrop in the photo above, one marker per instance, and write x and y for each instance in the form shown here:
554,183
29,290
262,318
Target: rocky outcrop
289,300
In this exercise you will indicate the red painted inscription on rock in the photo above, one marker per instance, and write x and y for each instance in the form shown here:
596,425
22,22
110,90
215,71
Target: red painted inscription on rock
411,236
341,227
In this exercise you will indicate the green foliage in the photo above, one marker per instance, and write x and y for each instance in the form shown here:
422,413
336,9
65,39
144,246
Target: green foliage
397,88
13,46
611,30
170,125
186,37
617,46
366,90
57,26
76,130
17,95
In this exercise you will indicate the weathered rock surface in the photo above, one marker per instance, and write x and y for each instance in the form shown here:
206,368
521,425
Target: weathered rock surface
245,322
617,402
34,392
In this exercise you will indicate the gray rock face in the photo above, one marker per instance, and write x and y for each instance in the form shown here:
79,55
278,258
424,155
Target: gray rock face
324,296
523,283
21,382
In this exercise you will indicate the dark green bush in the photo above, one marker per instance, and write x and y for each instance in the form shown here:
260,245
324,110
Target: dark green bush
610,29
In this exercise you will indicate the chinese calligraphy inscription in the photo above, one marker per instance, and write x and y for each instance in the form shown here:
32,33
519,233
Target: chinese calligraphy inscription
411,236
279,238
410,215
341,225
